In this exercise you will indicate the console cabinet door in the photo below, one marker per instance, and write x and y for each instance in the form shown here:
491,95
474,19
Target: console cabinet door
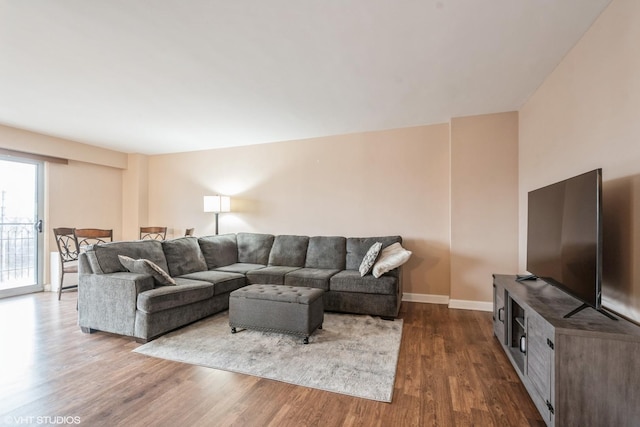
499,314
540,362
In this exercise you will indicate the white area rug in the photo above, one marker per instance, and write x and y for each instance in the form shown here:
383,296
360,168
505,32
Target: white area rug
354,355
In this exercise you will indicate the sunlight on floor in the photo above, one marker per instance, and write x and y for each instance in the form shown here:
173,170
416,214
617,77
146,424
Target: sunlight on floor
18,344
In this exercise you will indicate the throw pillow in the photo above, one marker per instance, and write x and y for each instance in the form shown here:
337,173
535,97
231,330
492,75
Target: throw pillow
144,266
370,258
393,256
183,256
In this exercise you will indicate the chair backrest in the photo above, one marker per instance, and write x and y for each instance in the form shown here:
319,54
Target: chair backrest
189,232
153,233
67,243
91,236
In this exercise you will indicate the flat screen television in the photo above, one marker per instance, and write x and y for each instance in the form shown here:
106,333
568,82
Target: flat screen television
564,237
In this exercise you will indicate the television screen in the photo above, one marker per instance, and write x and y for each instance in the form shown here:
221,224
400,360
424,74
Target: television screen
564,236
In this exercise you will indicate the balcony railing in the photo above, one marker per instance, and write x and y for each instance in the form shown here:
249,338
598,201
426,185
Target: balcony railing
17,254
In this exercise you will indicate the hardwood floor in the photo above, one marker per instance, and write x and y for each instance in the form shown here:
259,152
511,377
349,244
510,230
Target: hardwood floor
451,372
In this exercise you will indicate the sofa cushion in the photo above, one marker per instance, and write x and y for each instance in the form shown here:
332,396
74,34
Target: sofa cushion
272,275
310,278
254,248
240,267
289,250
370,258
357,248
163,298
183,256
327,252
393,256
144,266
103,258
219,250
351,281
223,281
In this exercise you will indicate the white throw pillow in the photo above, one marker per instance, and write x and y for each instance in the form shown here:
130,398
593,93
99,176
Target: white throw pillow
393,256
370,258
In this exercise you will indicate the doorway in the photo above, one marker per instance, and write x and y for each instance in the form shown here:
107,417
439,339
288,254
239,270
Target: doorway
21,237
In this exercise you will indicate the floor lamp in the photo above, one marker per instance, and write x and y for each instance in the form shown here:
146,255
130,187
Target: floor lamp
217,204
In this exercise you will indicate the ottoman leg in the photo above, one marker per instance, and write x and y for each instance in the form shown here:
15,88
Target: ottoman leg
305,340
233,330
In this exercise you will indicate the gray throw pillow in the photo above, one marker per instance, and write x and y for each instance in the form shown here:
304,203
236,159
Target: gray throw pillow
183,256
144,266
370,258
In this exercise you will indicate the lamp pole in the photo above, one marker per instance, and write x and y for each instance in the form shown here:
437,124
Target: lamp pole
217,204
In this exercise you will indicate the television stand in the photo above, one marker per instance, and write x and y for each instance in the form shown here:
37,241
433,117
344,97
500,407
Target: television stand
583,306
580,371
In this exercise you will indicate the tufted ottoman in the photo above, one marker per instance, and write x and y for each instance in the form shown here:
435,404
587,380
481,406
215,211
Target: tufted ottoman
276,308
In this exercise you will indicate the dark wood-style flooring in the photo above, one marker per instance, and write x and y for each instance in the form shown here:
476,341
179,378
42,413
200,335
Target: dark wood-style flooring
451,372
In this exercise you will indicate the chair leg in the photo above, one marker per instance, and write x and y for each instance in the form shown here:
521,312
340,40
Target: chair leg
61,282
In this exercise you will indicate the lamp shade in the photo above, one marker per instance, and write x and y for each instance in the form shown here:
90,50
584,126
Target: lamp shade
217,204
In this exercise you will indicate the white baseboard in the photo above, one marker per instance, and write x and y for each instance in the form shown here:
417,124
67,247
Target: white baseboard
470,305
452,303
426,298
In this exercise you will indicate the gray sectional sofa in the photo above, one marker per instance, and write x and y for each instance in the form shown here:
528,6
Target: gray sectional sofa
206,270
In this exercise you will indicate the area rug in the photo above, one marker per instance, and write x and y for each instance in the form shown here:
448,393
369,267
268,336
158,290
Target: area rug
353,354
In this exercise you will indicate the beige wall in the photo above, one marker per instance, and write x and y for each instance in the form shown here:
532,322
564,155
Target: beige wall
83,195
135,196
86,192
484,203
35,143
453,197
586,115
373,183
390,182
421,183
376,183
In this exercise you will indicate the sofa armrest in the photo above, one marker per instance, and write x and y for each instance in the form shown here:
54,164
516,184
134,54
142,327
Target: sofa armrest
107,302
84,267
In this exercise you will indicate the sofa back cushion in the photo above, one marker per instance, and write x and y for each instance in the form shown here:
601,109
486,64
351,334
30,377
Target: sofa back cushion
254,248
327,252
219,250
183,256
103,258
357,248
290,251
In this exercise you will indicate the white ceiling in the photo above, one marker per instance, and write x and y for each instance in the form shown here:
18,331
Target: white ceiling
161,76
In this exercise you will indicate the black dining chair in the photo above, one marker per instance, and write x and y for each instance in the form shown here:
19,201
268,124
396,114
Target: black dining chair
154,233
68,249
92,236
